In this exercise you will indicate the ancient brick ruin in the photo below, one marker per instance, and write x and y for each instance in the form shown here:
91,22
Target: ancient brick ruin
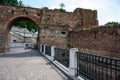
102,40
53,24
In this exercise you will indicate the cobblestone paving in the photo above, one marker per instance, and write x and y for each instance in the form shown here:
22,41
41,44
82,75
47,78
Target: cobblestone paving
27,65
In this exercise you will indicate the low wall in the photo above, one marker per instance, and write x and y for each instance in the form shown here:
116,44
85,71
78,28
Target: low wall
16,45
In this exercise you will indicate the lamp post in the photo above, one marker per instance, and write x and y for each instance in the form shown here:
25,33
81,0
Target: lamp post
24,35
33,31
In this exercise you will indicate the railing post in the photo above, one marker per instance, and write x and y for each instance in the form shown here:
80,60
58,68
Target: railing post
44,50
73,62
40,47
52,52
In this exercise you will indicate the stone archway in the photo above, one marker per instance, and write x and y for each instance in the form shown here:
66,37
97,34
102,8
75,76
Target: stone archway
5,42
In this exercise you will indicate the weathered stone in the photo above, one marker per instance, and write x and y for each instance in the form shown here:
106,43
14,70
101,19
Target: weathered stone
106,42
52,20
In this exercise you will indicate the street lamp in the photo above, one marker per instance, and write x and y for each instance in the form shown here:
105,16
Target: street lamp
24,35
33,31
25,32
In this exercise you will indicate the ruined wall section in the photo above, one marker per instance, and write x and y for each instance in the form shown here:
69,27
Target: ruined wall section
104,41
54,35
88,17
55,25
56,21
56,17
77,20
52,19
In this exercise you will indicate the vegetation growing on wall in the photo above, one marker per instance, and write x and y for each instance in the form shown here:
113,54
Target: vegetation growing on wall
62,5
112,24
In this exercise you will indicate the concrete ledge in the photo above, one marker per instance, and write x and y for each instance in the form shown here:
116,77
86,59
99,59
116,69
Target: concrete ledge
49,57
80,78
63,68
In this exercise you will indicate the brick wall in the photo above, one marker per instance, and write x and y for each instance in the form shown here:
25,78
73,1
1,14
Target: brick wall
84,18
78,19
103,41
54,35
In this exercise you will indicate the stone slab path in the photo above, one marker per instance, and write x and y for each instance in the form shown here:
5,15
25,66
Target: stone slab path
27,65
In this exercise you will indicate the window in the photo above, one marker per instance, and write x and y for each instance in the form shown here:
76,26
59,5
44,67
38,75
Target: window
14,40
63,32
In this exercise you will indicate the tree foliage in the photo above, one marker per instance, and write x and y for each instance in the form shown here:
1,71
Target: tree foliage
27,24
112,24
62,5
12,2
20,3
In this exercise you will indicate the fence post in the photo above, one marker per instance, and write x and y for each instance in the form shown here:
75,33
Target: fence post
73,62
44,49
52,52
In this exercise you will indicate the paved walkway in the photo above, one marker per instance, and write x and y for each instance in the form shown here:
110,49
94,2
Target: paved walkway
27,65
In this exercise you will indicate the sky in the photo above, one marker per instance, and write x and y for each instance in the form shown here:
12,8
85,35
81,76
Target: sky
108,10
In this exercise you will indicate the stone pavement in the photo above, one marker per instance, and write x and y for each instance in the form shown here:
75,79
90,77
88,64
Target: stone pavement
27,65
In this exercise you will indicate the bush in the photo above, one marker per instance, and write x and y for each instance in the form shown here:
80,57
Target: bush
62,10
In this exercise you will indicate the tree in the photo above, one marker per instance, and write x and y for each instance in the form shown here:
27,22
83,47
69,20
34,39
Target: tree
9,2
27,24
14,2
62,5
20,3
112,24
4,2
61,9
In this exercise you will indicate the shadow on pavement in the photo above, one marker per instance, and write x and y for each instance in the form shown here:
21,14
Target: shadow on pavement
30,53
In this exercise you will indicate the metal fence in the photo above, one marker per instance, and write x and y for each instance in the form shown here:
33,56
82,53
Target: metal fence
62,56
48,50
42,48
92,67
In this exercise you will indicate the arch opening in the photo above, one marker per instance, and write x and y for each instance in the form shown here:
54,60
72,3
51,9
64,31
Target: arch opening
22,32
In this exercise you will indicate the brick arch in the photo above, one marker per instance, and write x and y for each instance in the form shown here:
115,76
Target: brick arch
9,26
18,18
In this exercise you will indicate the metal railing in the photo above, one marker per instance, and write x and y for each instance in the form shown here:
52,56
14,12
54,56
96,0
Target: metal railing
62,56
42,48
92,67
48,50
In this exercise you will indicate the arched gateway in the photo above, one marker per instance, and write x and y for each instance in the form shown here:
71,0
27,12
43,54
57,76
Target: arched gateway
53,25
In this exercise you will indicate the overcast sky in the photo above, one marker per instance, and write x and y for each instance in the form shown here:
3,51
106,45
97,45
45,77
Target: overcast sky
108,10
